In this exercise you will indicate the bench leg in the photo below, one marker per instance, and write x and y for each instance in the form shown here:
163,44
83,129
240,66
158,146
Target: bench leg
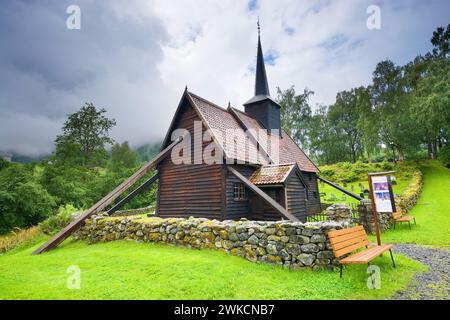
392,257
409,222
340,276
394,224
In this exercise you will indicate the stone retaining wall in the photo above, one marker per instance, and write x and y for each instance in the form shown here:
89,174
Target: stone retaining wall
291,244
410,196
365,211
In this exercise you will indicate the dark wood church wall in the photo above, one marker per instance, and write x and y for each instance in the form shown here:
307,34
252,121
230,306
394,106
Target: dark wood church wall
269,212
190,189
313,203
236,209
296,197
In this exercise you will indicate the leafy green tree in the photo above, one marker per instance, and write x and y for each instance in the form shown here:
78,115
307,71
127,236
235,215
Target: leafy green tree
441,42
122,156
69,183
295,114
367,121
344,116
23,201
327,142
431,103
393,109
85,135
3,163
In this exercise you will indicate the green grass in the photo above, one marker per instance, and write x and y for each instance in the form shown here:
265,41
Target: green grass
399,188
358,174
432,211
129,270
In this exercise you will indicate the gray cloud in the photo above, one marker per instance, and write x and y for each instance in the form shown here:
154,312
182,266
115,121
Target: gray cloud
48,71
134,57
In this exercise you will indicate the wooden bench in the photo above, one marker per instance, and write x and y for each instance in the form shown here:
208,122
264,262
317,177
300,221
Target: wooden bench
399,216
347,241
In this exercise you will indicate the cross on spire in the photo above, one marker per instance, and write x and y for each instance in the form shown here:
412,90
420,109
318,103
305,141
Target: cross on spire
259,27
261,85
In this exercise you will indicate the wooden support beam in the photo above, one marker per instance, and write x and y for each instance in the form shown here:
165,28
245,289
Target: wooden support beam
133,194
351,194
107,200
263,195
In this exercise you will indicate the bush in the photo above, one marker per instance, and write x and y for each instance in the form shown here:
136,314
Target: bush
23,201
358,171
410,196
55,223
444,156
388,166
3,163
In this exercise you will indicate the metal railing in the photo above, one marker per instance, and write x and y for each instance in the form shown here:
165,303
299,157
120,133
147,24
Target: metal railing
322,217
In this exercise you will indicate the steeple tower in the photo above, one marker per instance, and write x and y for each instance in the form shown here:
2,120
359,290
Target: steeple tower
262,106
261,85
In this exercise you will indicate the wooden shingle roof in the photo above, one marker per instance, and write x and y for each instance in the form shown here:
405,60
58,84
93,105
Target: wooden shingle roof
251,149
273,174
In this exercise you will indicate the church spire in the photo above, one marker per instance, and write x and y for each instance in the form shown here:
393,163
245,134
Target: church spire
262,107
261,85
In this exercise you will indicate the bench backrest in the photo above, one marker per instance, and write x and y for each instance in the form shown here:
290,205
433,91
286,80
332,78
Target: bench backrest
397,214
348,240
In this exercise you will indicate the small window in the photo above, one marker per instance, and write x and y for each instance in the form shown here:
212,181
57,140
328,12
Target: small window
310,177
239,191
315,195
274,194
306,194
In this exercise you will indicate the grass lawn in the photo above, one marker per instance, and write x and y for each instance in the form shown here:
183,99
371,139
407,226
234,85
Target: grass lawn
328,190
129,270
357,173
432,211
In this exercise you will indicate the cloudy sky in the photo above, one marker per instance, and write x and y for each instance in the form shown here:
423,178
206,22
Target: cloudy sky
135,57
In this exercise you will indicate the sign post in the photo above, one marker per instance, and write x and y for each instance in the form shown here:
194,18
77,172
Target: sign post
381,197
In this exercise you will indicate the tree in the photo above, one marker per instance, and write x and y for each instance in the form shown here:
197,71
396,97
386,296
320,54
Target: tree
431,103
23,201
398,130
85,135
3,163
295,114
344,117
441,42
122,156
327,142
367,125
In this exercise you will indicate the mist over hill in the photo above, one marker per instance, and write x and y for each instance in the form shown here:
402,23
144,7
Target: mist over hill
145,153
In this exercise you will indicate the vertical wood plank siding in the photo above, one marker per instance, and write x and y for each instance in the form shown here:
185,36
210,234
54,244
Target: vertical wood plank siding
313,203
236,209
270,213
296,202
190,189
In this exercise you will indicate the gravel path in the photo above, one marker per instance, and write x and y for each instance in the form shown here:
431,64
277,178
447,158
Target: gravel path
433,284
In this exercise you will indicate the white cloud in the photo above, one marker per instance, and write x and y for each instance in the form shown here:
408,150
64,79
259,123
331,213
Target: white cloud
135,57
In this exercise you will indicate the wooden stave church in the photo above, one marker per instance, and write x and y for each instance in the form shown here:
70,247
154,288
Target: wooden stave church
286,188
215,191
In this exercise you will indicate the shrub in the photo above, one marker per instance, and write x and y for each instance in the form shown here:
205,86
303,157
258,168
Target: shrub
23,201
3,163
444,156
327,172
410,196
388,166
55,223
